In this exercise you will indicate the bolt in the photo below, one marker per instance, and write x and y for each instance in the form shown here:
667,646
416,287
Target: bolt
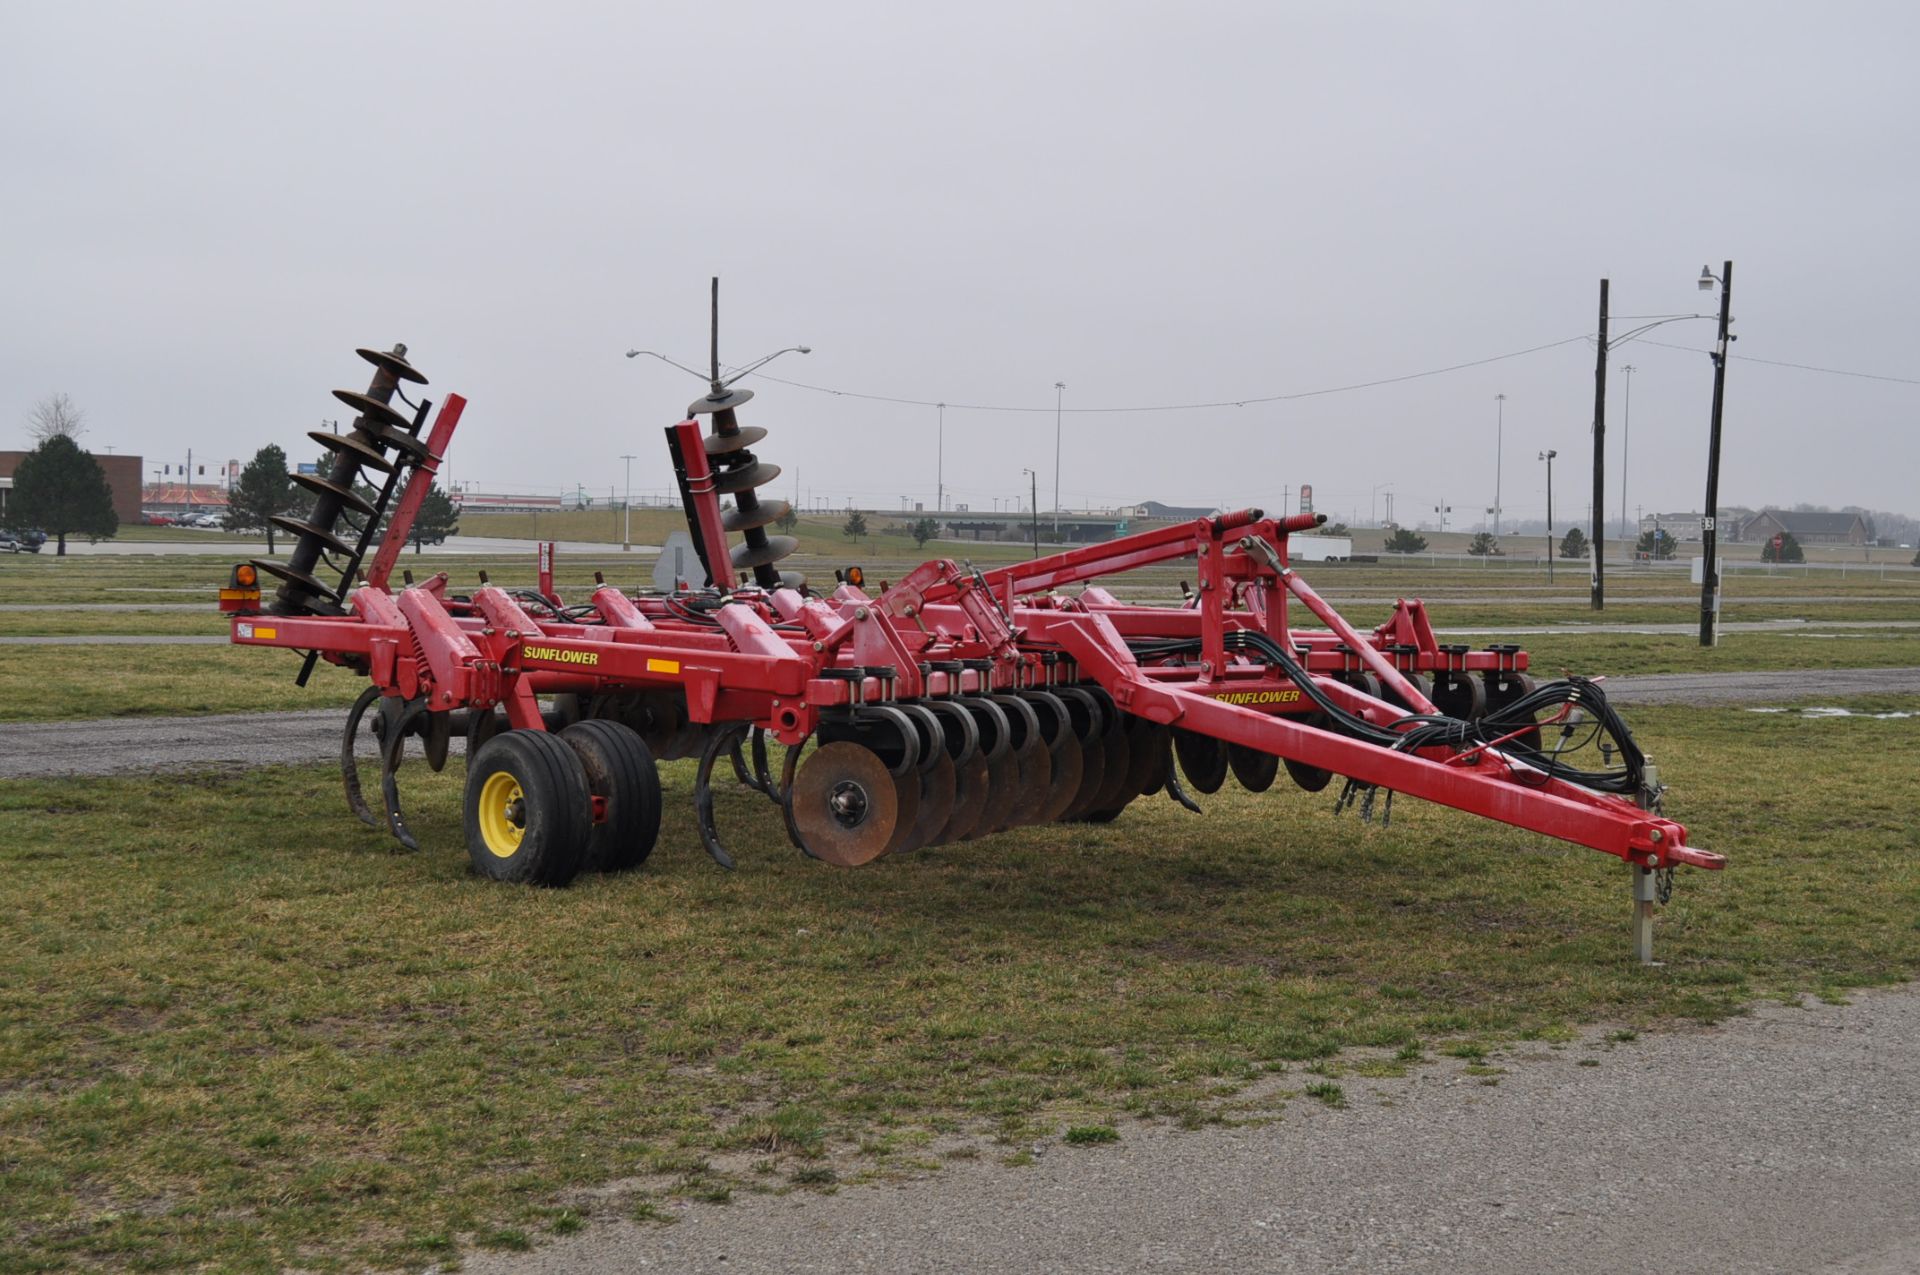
819,646
860,613
1655,836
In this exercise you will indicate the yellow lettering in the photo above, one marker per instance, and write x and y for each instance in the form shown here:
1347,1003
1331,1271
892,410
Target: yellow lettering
556,655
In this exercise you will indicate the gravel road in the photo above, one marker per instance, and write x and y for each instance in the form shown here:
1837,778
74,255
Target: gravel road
123,745
1788,1141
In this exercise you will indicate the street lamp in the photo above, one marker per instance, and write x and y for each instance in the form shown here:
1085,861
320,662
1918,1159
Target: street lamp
1548,456
1373,510
719,386
940,464
1059,393
626,506
1499,450
1604,346
1709,517
1033,483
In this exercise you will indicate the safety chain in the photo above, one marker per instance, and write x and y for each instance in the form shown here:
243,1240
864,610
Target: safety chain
1663,885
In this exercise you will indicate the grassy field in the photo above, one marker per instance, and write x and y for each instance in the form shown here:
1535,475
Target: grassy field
239,1032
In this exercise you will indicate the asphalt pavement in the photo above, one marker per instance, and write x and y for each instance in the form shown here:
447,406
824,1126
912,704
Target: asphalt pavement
1784,1142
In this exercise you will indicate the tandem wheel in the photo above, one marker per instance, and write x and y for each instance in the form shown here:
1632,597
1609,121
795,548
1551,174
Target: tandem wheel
529,813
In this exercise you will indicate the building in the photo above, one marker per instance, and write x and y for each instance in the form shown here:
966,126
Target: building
1679,526
123,478
1809,528
180,499
1177,513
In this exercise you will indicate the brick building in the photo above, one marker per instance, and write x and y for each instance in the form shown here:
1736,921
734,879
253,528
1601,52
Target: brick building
123,476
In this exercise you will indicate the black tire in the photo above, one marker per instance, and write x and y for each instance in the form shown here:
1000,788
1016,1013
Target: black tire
528,811
621,771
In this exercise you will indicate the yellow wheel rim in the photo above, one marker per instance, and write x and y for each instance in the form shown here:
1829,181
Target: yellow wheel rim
503,814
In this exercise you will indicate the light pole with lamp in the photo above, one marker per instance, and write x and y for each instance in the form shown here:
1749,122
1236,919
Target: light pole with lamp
626,508
1548,456
940,462
1373,509
1499,450
1059,393
1604,346
1709,517
1033,482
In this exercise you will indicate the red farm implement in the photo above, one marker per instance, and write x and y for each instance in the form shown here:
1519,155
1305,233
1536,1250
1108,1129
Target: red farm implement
947,705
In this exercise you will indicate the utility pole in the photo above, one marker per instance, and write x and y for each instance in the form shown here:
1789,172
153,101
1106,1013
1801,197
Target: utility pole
940,464
1499,451
1597,588
1709,531
1059,393
1626,435
1548,456
626,534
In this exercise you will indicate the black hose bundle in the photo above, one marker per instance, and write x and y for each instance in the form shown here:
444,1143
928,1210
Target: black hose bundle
1508,726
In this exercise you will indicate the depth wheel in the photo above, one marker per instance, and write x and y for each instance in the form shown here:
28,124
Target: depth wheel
528,811
621,772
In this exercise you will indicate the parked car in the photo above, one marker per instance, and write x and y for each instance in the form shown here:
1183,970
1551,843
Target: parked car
8,544
32,538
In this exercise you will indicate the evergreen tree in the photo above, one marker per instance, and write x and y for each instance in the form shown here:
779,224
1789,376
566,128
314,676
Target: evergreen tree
1483,545
788,520
1333,529
1574,544
1789,550
265,489
1405,541
436,520
856,525
924,530
1658,545
63,491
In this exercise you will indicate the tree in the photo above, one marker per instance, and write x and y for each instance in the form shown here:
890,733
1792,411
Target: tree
63,491
923,530
1333,529
265,489
1405,541
1574,544
1789,550
55,416
1916,559
856,525
788,520
436,520
1658,544
1484,545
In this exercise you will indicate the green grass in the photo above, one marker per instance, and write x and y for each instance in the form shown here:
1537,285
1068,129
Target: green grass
237,1031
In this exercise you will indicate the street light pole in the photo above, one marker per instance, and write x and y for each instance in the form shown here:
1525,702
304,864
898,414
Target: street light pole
940,464
1059,392
1597,587
626,507
1499,451
1033,483
1626,436
1709,530
1548,456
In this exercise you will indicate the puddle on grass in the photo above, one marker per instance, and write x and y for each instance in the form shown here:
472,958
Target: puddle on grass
1833,712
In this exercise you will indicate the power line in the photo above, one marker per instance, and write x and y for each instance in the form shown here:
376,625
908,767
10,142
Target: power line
1804,367
1181,407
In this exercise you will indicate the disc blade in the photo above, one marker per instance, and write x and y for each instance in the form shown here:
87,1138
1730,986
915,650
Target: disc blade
374,410
393,363
1254,769
729,481
764,514
972,791
776,548
1203,759
1118,763
845,805
745,436
720,402
939,786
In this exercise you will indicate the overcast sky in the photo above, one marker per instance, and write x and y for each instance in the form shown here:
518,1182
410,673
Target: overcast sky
207,206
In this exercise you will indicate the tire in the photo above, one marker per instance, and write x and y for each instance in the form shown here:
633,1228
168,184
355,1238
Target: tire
528,811
622,772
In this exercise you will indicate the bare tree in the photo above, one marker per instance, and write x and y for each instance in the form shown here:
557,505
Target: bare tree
55,416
